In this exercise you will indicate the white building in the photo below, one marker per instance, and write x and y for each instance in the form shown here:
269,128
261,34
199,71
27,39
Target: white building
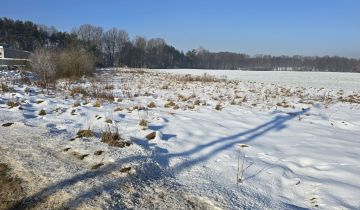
2,53
8,53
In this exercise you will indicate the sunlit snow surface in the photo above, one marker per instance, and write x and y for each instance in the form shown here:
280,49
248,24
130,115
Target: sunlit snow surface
333,80
303,143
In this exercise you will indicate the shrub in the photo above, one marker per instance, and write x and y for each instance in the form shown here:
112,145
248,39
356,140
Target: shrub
67,63
43,63
74,63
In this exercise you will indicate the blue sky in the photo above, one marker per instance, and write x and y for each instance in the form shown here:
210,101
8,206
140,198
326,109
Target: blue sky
306,27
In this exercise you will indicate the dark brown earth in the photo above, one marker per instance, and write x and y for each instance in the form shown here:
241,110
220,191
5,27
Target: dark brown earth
10,188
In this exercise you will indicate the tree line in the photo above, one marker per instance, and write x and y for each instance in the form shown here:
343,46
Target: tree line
114,47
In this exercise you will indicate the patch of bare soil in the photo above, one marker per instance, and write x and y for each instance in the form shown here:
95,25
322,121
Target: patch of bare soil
10,188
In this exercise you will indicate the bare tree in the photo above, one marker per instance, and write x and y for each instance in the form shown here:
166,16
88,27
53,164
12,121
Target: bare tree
42,62
140,45
114,41
91,36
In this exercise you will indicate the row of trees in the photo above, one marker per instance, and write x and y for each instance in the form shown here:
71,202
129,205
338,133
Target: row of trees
202,58
25,35
114,47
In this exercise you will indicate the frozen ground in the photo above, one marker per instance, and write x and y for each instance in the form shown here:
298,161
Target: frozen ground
292,146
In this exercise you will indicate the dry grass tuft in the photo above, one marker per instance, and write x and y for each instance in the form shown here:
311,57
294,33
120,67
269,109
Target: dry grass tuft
78,90
76,104
202,78
169,104
6,88
42,112
176,107
151,105
12,104
85,133
97,104
94,167
27,90
143,122
118,109
125,169
113,138
352,99
218,107
197,102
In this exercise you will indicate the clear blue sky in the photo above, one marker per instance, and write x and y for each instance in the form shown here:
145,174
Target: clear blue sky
306,27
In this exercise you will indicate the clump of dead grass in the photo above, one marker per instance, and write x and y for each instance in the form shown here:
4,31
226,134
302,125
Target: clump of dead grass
218,107
118,109
97,104
79,90
85,133
151,105
200,78
143,122
12,104
113,138
169,104
42,112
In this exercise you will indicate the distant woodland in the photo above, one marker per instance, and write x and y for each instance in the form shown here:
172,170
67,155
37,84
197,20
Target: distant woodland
114,47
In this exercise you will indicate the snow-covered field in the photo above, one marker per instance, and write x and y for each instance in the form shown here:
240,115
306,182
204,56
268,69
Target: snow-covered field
253,141
332,80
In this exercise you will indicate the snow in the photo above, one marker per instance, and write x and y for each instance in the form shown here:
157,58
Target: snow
331,80
299,145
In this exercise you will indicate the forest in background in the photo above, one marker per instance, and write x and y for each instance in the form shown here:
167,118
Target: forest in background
114,47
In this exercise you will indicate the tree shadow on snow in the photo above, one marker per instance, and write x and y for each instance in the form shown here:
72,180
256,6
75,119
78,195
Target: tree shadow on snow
152,168
224,143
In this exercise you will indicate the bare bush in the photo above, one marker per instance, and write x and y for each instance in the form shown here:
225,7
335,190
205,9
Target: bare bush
73,63
67,63
43,63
